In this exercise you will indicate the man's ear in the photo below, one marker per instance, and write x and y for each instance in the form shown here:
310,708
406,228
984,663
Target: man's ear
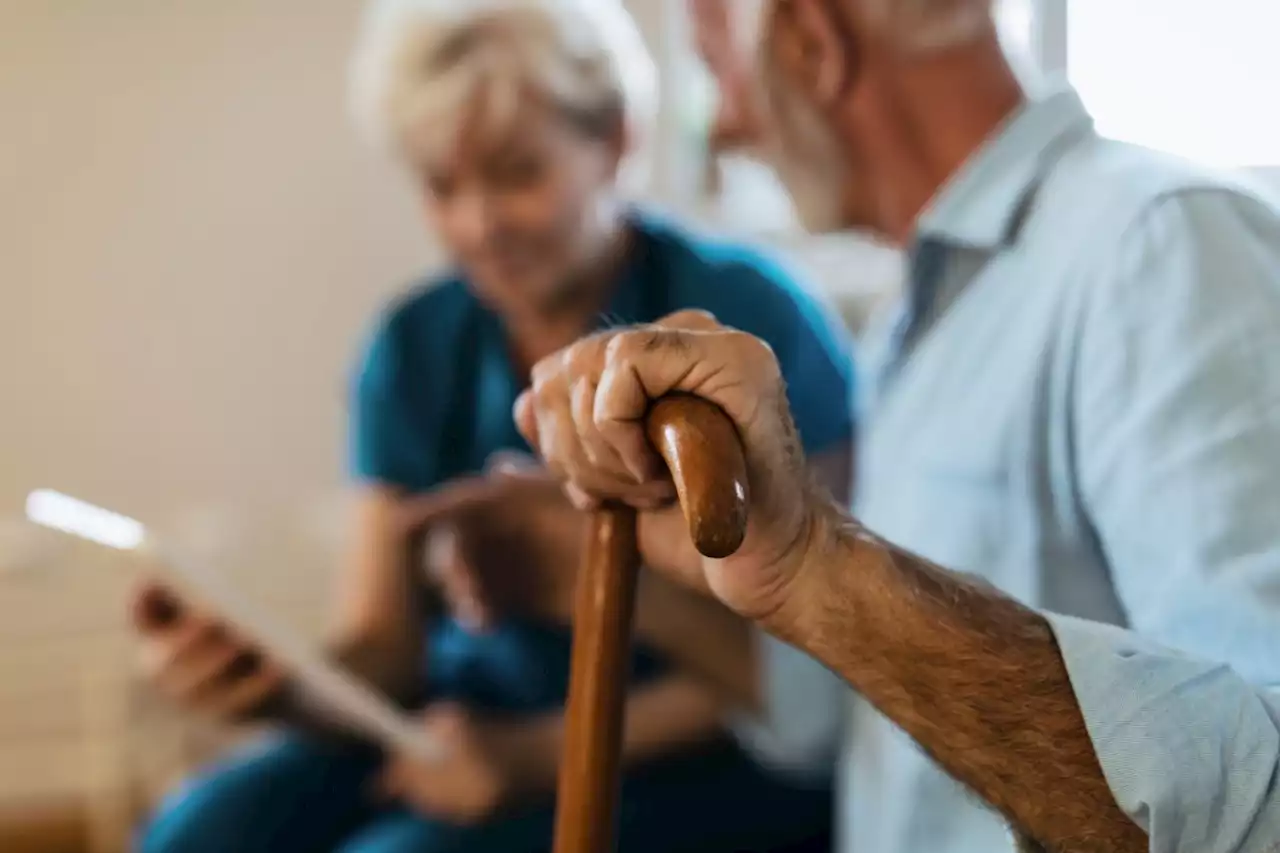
824,51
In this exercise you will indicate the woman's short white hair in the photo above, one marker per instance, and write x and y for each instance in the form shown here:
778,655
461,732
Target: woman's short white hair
428,65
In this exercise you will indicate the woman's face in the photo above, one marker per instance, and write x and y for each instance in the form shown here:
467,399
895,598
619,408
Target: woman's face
524,208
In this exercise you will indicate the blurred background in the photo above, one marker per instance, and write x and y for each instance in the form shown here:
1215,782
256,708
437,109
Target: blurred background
179,182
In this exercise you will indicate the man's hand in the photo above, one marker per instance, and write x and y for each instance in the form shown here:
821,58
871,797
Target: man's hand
585,413
973,676
200,663
488,765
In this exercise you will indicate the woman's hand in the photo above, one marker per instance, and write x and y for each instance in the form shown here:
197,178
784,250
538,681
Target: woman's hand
198,662
507,541
585,414
487,766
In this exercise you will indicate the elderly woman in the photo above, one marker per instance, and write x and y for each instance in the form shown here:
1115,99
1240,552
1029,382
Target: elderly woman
517,121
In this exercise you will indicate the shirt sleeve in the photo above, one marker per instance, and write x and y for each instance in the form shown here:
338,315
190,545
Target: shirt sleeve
380,431
1176,422
798,729
1190,749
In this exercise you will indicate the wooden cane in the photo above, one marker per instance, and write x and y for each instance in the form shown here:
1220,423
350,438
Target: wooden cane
700,446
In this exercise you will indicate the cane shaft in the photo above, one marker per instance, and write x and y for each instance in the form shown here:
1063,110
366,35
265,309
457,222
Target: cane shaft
586,809
702,450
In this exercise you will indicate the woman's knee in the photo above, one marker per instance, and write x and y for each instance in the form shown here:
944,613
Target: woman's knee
406,832
283,794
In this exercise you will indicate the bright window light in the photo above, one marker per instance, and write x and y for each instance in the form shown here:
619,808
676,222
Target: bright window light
1016,22
1195,78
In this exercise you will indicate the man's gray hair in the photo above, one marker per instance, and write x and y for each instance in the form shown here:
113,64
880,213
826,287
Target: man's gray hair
924,25
913,25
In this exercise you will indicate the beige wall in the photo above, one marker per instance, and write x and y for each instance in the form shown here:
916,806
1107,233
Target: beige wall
190,245
191,242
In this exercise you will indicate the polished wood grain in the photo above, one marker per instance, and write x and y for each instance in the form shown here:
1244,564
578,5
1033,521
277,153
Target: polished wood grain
586,804
701,448
704,454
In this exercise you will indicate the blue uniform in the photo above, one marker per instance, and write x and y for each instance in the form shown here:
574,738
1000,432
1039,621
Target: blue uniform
432,402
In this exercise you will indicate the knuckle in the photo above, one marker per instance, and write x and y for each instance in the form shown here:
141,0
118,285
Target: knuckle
753,351
583,358
620,346
544,374
633,344
691,318
587,350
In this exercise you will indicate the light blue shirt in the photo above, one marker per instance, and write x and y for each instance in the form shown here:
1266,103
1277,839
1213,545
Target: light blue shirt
1079,399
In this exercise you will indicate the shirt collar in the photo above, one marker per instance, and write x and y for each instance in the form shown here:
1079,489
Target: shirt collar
979,206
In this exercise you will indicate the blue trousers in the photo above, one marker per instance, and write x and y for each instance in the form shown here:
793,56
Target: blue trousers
299,795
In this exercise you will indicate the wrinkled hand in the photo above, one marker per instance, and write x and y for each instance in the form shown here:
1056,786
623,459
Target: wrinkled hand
479,774
198,662
506,541
585,411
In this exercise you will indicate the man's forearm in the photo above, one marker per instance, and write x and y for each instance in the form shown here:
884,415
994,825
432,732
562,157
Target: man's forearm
973,676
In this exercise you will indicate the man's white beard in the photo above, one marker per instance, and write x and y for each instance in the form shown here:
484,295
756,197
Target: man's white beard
809,163
815,192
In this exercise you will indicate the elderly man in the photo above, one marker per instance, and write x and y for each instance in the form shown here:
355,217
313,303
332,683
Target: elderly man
1077,400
